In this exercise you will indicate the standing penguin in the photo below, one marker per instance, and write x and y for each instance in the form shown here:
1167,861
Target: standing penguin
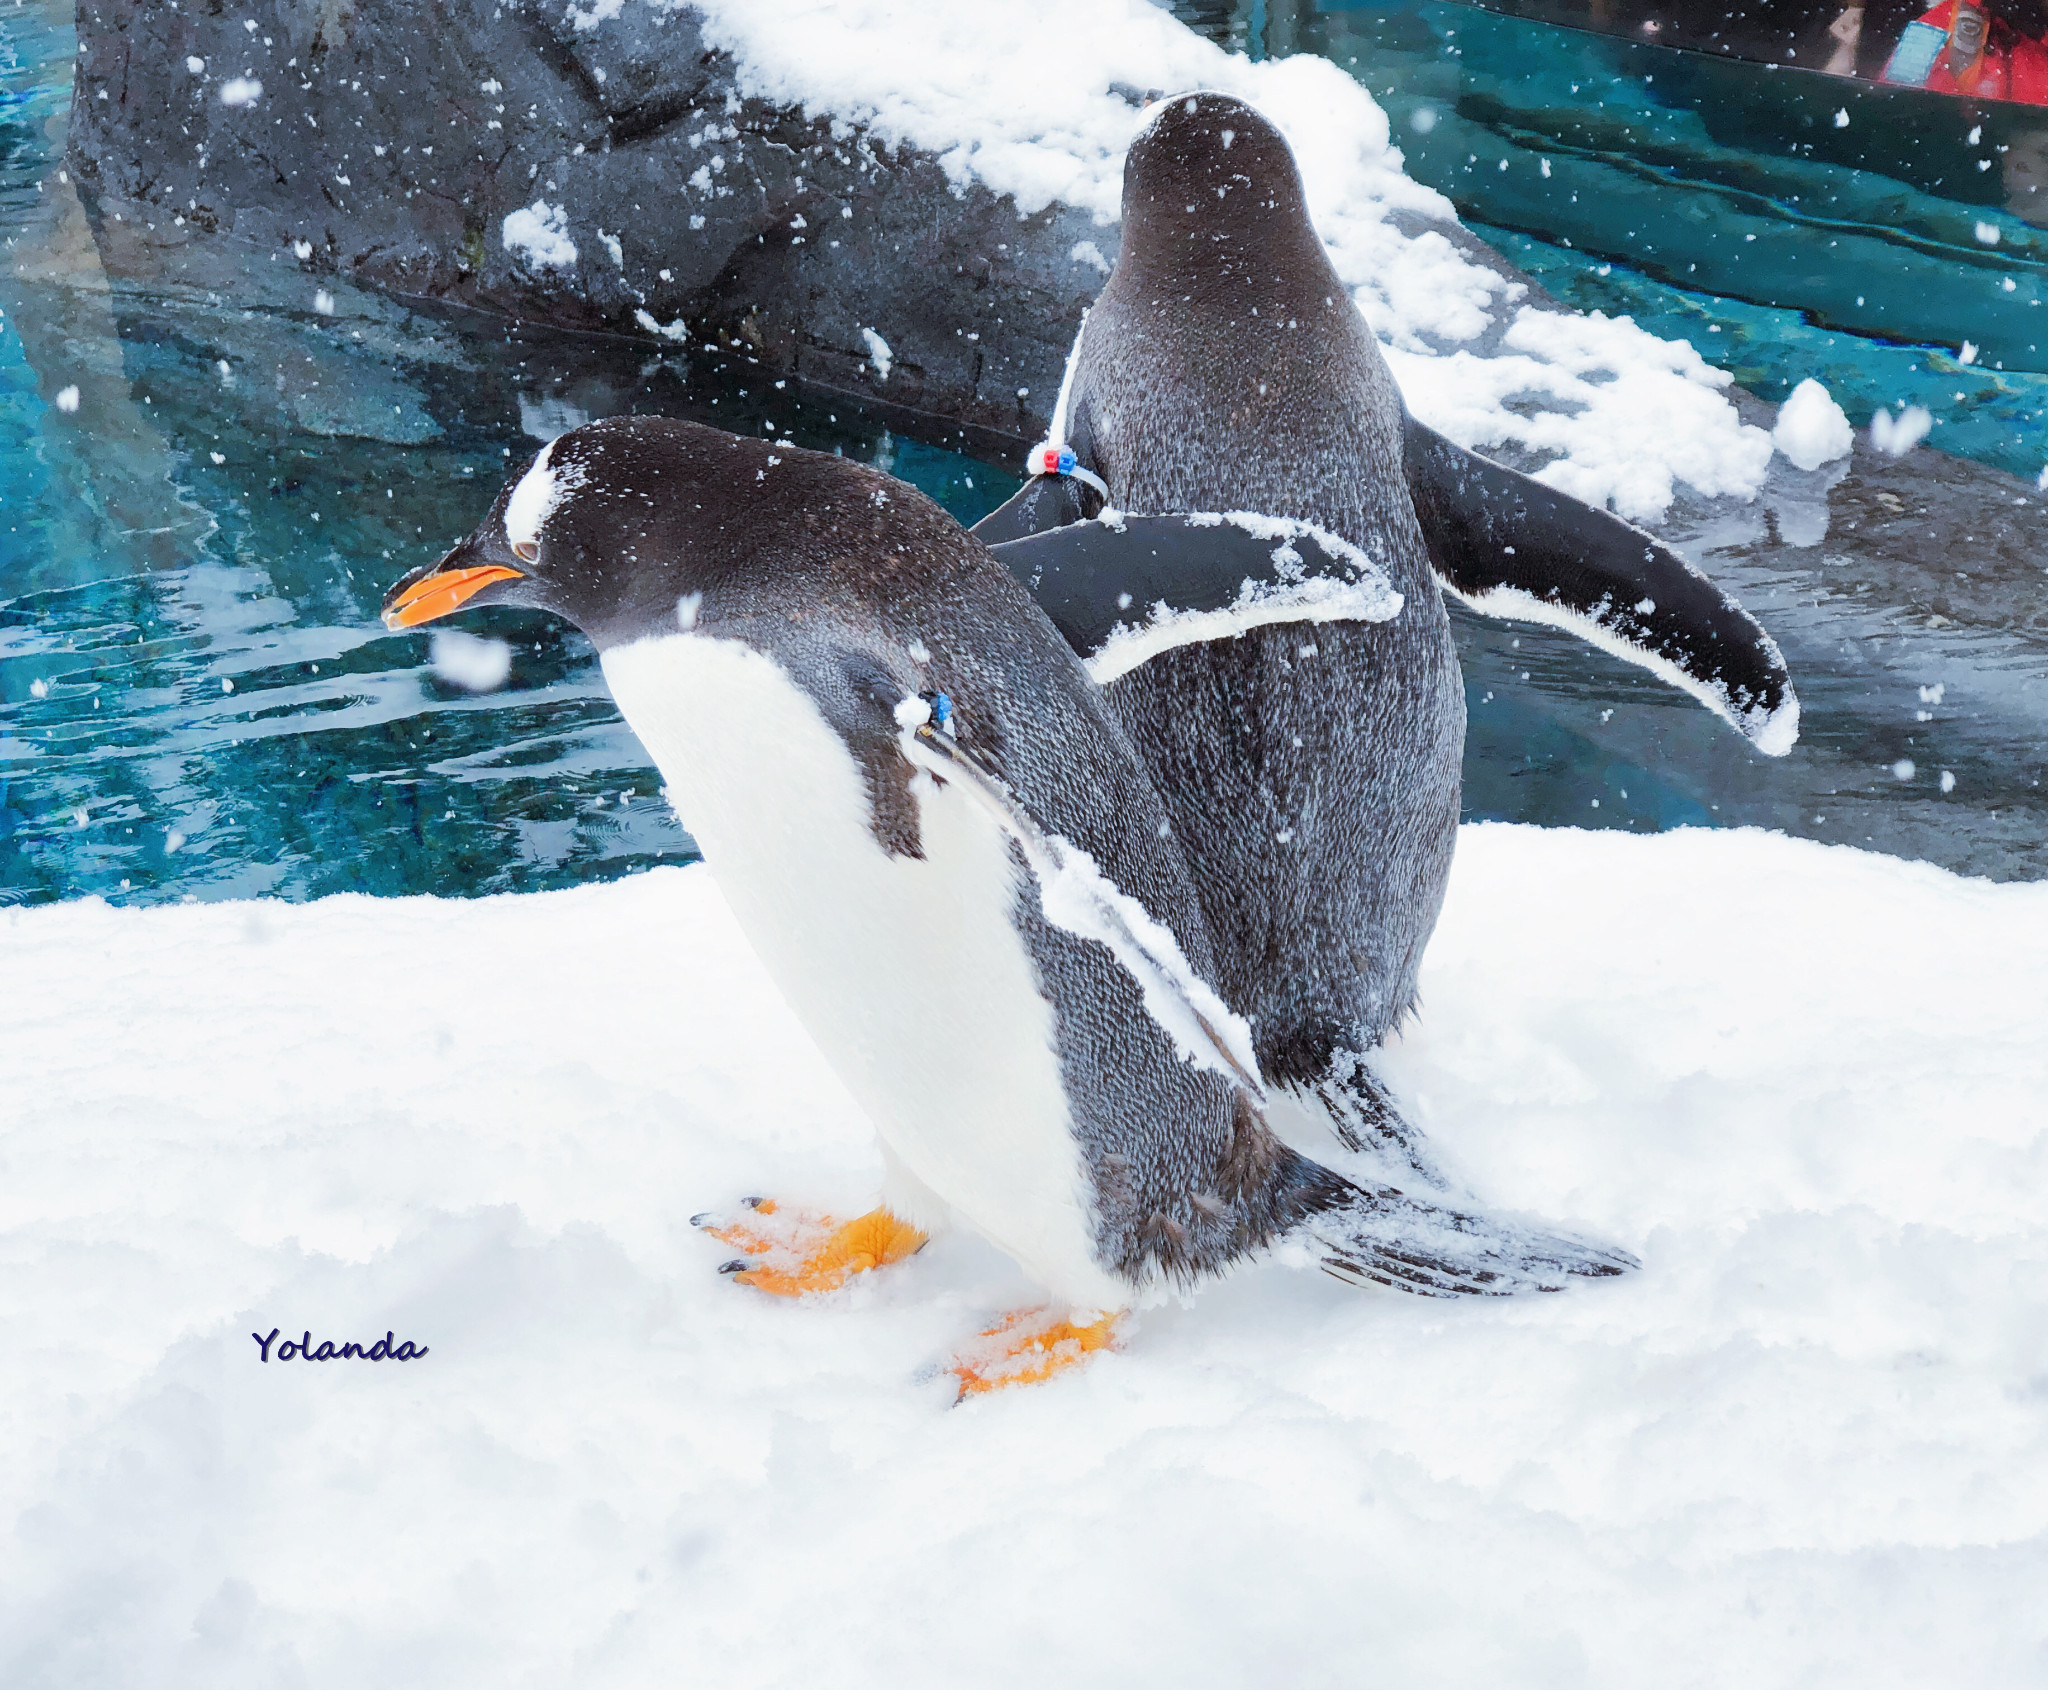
955,869
1312,771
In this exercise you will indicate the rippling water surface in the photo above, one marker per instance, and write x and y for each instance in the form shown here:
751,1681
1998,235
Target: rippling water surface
197,699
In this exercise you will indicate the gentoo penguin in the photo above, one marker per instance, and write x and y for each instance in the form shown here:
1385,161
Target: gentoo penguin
956,870
1312,772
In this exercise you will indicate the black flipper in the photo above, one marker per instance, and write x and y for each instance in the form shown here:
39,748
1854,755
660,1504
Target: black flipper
1123,589
1379,1234
1043,502
1510,546
1186,1007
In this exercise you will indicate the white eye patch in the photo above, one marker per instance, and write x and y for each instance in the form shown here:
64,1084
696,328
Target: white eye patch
540,492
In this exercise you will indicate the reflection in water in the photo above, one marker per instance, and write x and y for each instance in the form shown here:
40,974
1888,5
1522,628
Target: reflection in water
197,699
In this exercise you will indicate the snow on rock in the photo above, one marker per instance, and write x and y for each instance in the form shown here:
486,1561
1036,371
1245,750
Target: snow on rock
1812,429
1805,1445
878,353
538,234
1022,99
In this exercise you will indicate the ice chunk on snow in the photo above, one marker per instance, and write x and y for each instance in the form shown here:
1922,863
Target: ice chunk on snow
1895,436
878,353
240,91
196,65
538,235
466,661
67,399
1812,429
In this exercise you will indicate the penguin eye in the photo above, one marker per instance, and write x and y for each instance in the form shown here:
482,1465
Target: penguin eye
526,550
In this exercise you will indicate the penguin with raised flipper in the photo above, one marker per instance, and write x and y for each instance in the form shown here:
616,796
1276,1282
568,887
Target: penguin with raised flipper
958,873
1312,772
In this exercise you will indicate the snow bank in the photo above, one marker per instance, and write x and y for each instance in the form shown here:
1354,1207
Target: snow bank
1808,1444
538,235
1024,99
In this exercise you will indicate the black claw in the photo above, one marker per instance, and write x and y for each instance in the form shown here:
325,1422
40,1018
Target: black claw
701,1220
738,1266
752,1202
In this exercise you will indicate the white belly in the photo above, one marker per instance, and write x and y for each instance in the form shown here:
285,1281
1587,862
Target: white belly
909,974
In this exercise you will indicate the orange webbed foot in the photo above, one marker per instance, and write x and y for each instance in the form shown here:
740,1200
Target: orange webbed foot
1029,1347
791,1253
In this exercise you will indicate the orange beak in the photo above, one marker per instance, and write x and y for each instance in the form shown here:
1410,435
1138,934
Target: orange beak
435,595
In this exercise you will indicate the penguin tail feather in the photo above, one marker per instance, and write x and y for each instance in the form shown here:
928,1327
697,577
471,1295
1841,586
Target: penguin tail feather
1380,1235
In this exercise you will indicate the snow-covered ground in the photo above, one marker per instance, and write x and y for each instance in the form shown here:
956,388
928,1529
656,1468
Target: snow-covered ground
1807,1444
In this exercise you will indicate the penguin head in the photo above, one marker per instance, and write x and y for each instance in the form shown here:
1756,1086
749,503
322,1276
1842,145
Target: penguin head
638,526
589,531
1210,169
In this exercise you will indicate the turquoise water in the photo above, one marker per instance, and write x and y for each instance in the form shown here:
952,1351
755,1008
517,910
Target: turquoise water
196,695
1708,201
197,698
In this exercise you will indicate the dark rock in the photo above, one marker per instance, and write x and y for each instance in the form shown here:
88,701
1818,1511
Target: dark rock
389,149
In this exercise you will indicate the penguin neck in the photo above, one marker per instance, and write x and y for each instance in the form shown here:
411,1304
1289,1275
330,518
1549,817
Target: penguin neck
1175,258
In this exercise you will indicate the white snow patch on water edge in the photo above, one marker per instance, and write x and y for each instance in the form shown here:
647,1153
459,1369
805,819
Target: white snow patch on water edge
1019,98
538,235
1812,429
1805,1444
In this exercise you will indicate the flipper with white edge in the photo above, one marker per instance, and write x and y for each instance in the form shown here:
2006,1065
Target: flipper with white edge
1122,589
1510,546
